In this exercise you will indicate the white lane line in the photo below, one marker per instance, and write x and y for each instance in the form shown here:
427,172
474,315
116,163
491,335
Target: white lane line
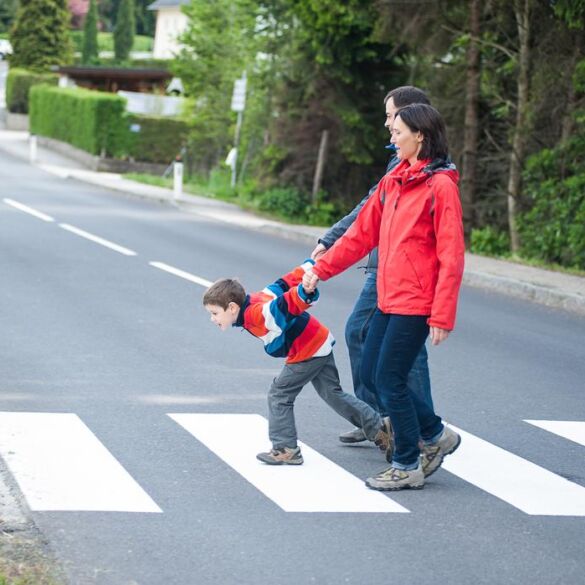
29,210
319,485
182,274
523,484
97,240
568,429
60,464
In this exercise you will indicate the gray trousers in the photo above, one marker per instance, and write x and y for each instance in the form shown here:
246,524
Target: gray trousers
322,373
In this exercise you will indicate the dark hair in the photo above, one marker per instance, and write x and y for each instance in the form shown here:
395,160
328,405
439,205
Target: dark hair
223,292
406,95
426,120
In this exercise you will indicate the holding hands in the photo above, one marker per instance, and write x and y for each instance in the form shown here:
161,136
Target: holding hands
310,281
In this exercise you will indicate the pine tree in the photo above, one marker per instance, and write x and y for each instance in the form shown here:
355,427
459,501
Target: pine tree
124,30
40,37
90,35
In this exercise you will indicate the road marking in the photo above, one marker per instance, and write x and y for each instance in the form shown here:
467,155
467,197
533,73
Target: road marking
97,240
60,464
568,429
319,485
182,274
515,480
29,210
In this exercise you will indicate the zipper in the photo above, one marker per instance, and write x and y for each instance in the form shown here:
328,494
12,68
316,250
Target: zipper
389,230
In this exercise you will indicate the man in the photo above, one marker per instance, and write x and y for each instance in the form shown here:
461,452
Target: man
358,322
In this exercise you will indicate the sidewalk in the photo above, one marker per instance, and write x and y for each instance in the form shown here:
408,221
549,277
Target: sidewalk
554,289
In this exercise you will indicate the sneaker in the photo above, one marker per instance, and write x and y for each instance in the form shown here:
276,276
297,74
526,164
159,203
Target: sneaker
393,479
384,440
355,436
283,456
432,455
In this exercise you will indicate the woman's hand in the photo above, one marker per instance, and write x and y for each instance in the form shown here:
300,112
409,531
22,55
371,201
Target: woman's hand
319,250
438,335
310,281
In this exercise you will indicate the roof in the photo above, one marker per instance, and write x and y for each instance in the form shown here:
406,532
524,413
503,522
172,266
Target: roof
115,73
167,4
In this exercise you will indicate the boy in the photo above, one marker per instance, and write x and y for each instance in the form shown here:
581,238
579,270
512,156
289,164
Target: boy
277,315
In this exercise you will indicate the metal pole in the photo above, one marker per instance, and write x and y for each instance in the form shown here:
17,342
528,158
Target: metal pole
177,179
236,145
33,148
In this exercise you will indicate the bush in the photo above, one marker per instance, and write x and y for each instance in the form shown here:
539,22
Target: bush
285,201
489,242
156,139
90,120
18,84
553,229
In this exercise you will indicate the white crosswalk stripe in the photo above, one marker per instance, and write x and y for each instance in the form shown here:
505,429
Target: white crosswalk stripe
59,464
568,429
514,480
319,485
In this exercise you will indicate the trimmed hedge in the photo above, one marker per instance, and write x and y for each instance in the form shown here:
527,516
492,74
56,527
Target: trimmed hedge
18,84
156,139
91,120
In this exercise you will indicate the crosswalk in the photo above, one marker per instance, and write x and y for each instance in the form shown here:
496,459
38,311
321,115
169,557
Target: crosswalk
59,464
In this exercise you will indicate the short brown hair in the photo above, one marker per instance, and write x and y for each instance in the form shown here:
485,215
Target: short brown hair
426,120
223,292
406,95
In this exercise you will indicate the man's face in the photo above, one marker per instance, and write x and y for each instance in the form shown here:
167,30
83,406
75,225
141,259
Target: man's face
223,318
391,110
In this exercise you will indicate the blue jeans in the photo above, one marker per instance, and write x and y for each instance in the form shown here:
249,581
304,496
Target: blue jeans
356,330
391,347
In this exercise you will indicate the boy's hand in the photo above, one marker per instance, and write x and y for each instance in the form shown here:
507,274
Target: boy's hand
319,250
310,281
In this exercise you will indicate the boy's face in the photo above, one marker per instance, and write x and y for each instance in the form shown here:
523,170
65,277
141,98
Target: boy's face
223,318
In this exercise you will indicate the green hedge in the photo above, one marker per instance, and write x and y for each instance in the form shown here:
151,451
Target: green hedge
156,139
18,84
91,120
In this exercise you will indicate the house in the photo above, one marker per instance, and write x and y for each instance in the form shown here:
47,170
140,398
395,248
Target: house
170,24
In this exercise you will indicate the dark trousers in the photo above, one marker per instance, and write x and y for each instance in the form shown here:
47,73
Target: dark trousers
392,345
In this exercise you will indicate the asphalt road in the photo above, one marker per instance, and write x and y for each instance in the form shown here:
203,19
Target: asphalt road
121,344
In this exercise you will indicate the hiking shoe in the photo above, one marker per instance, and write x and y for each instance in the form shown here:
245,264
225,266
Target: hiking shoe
355,436
432,455
384,440
392,479
283,456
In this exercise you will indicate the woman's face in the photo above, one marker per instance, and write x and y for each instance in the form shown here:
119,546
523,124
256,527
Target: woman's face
407,142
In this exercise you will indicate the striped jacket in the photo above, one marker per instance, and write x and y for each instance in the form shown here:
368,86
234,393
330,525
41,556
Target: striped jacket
277,315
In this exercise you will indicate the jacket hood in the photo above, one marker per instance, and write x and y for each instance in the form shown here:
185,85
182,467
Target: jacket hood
424,170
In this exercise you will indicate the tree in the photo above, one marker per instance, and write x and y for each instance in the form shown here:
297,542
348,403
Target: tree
124,30
7,13
471,124
40,37
90,51
78,10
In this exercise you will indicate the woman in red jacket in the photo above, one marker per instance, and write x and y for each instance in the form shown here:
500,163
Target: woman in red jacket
415,219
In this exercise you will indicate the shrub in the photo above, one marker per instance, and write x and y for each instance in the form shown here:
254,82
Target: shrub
18,84
124,30
90,120
553,229
285,201
156,139
489,242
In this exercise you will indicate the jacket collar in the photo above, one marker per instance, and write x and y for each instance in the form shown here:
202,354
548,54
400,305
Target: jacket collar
239,322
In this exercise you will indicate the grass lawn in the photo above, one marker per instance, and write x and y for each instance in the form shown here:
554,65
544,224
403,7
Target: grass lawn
106,41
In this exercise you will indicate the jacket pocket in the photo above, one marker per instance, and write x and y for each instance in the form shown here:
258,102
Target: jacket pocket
415,273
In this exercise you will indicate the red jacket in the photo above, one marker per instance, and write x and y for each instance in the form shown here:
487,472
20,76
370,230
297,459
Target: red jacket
415,219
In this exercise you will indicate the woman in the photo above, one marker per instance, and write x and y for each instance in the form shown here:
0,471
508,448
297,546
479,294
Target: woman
415,220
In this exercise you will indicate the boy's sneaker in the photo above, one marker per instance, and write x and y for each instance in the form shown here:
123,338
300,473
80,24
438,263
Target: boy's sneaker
432,455
283,456
384,440
393,479
355,436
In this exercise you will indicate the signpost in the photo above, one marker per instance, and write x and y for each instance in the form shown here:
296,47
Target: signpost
238,105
